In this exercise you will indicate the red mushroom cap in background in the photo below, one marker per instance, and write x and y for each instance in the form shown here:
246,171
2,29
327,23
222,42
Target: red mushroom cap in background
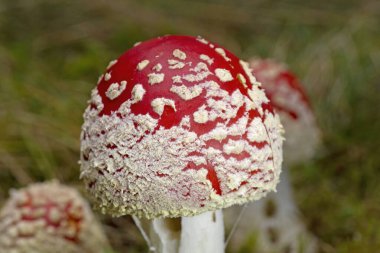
49,218
178,126
289,99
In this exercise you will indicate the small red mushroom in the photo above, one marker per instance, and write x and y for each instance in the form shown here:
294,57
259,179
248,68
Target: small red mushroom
275,219
178,126
289,99
49,218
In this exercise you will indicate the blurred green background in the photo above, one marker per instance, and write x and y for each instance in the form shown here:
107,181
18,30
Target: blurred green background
52,52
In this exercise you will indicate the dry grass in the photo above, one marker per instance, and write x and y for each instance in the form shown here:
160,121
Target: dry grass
52,51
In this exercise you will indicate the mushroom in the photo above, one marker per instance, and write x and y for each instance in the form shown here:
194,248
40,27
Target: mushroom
276,218
289,99
178,127
49,218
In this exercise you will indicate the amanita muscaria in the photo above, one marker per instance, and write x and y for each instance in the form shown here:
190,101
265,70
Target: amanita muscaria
49,218
179,127
275,219
292,104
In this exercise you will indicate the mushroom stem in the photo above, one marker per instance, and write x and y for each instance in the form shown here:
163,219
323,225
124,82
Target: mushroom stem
202,233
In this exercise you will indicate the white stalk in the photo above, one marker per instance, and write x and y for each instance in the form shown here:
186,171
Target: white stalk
202,233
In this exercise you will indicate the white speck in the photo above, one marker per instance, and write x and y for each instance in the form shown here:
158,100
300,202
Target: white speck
202,40
12,232
256,131
138,93
233,147
200,67
177,79
111,64
224,75
96,99
242,80
158,104
234,181
157,67
54,215
190,137
142,64
257,95
248,72
185,92
20,197
107,76
201,116
239,128
236,98
25,228
115,89
175,64
145,122
219,133
206,58
179,54
156,78
222,53
100,78
137,43
202,72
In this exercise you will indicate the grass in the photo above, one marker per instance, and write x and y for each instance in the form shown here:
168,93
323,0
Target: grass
51,53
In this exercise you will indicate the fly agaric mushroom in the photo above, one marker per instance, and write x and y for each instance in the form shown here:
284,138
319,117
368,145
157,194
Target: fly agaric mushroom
289,99
179,127
49,218
276,218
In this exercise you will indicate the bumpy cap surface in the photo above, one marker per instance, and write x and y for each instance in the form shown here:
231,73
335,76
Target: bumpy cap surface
49,218
178,126
289,99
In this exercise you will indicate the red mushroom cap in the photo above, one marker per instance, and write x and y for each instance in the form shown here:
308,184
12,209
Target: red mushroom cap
289,99
49,218
178,126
